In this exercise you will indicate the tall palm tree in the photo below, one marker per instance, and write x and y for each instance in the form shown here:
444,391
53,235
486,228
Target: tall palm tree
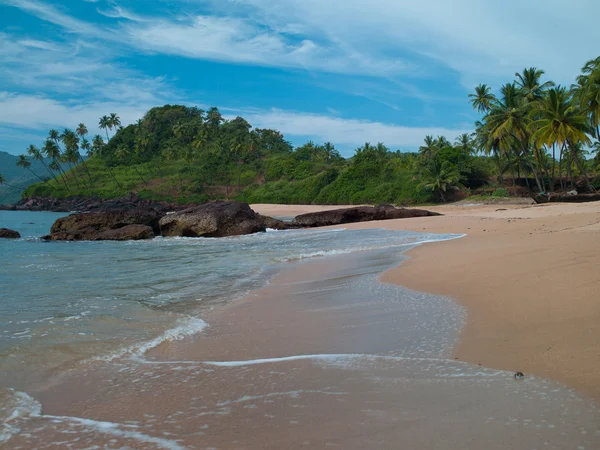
4,183
36,154
52,151
81,130
71,154
465,143
530,84
114,122
483,99
104,124
26,164
430,148
562,122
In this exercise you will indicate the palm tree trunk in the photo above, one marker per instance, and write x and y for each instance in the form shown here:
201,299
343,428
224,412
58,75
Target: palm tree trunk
87,170
40,178
560,160
553,165
113,176
588,184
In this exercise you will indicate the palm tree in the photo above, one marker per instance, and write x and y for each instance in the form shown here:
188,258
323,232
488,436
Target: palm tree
114,122
104,124
562,122
430,148
508,123
81,130
483,99
52,151
26,164
530,84
36,154
440,177
3,182
465,143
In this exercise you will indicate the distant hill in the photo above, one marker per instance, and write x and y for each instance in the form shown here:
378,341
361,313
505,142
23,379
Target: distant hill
18,177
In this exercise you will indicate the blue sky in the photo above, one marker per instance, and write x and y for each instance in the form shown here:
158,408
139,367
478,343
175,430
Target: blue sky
345,71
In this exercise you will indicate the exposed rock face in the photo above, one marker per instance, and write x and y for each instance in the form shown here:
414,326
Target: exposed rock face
213,219
5,233
108,220
358,214
117,224
127,233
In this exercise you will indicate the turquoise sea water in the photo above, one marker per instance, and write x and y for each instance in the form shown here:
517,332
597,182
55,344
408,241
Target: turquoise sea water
64,302
81,325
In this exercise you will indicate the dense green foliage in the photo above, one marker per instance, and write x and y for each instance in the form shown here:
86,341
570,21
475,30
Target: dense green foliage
530,120
185,154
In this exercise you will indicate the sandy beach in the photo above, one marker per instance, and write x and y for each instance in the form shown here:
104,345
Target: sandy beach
528,276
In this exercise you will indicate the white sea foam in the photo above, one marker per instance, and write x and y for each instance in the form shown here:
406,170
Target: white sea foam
17,406
20,406
116,429
187,327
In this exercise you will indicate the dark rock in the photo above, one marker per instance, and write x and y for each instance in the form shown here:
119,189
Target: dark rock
358,214
213,219
276,224
568,197
117,224
108,220
5,233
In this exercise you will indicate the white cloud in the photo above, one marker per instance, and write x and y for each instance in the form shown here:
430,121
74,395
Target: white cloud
42,113
238,40
348,132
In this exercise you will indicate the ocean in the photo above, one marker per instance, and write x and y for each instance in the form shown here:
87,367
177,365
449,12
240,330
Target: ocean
158,344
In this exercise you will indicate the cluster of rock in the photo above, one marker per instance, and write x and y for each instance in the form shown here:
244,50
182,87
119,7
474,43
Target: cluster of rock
213,219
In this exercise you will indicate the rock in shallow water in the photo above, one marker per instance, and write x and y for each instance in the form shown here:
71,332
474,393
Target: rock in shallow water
358,214
5,233
117,224
214,219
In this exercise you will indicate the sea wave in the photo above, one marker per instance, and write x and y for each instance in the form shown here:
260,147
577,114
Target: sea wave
186,327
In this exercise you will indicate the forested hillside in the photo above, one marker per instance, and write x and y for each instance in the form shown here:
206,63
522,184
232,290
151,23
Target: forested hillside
533,136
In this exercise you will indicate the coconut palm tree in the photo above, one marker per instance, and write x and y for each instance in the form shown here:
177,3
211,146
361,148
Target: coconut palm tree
36,154
483,99
430,148
530,85
465,143
52,151
114,122
440,177
81,130
104,124
123,152
26,164
562,122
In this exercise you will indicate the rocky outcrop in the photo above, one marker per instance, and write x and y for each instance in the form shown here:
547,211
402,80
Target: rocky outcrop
127,233
116,224
276,224
357,214
213,219
5,233
568,197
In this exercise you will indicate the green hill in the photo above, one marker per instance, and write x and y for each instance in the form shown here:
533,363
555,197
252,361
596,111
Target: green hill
182,154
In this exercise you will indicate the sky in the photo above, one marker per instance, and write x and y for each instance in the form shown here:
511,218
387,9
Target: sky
344,71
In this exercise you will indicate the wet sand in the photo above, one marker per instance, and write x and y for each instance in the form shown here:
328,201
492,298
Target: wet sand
324,357
528,276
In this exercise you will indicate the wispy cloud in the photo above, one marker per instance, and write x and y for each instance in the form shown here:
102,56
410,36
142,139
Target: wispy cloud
349,132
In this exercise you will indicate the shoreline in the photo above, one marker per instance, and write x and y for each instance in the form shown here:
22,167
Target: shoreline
527,278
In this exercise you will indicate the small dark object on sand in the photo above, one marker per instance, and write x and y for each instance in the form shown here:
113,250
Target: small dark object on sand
518,375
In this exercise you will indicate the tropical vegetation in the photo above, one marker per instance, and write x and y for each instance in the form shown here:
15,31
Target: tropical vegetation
533,135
